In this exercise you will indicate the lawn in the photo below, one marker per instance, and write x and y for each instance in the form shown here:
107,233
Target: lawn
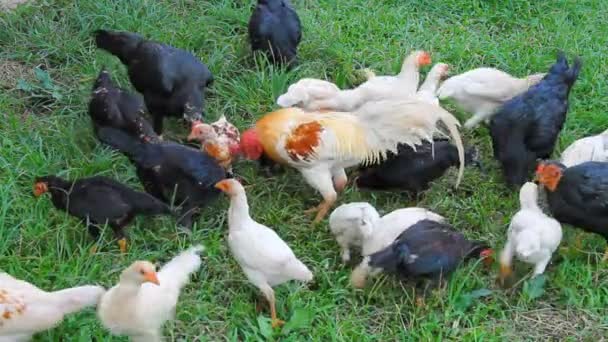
44,129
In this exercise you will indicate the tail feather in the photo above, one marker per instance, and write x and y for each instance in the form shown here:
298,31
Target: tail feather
452,125
103,79
298,270
120,44
175,274
121,141
77,298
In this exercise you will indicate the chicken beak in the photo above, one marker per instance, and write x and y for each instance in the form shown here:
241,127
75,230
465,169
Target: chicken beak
224,186
151,277
40,188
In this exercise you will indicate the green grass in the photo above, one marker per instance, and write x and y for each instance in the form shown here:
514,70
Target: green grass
49,248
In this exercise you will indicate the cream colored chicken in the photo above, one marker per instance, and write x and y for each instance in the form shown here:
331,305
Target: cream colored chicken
377,88
428,89
593,148
359,225
305,91
481,91
26,309
265,258
532,236
143,300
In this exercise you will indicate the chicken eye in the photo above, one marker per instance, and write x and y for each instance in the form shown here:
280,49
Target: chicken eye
142,272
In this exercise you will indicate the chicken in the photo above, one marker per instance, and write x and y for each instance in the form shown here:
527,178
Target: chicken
111,106
482,91
171,172
275,29
527,126
428,89
100,200
143,300
428,249
220,139
305,91
171,80
359,225
26,309
322,145
532,236
266,260
577,195
593,148
413,170
378,88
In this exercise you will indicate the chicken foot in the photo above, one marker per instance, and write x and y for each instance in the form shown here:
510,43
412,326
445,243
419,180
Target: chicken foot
269,294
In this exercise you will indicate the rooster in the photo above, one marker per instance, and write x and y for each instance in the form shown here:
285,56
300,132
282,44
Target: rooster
322,144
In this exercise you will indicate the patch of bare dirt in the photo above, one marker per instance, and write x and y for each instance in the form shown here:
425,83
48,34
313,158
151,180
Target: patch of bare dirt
11,72
6,5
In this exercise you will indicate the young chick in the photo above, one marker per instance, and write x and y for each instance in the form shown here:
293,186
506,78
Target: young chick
428,249
577,195
171,172
113,107
26,310
143,300
220,139
171,80
275,29
378,88
526,127
428,89
304,92
532,235
100,200
593,148
266,260
412,170
481,91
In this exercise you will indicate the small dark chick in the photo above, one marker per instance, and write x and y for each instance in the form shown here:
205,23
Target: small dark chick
428,249
100,200
577,195
171,172
171,80
526,127
413,170
113,107
274,28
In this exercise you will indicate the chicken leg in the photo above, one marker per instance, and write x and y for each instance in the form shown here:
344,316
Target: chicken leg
321,180
269,294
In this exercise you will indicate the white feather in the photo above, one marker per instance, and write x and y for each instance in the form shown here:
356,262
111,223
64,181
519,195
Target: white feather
593,148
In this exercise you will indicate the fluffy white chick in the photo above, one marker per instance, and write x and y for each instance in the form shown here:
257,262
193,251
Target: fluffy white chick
593,148
143,300
532,235
26,309
359,225
265,258
428,89
481,91
305,91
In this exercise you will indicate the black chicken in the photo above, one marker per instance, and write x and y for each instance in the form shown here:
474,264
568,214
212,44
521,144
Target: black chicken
578,195
100,200
171,172
526,127
412,170
428,249
113,107
274,28
171,80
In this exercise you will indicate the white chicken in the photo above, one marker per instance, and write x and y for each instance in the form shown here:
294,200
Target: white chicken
305,91
219,139
481,91
26,309
593,148
144,300
359,225
377,88
322,144
266,260
428,89
532,235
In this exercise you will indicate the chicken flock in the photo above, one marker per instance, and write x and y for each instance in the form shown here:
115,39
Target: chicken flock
392,129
